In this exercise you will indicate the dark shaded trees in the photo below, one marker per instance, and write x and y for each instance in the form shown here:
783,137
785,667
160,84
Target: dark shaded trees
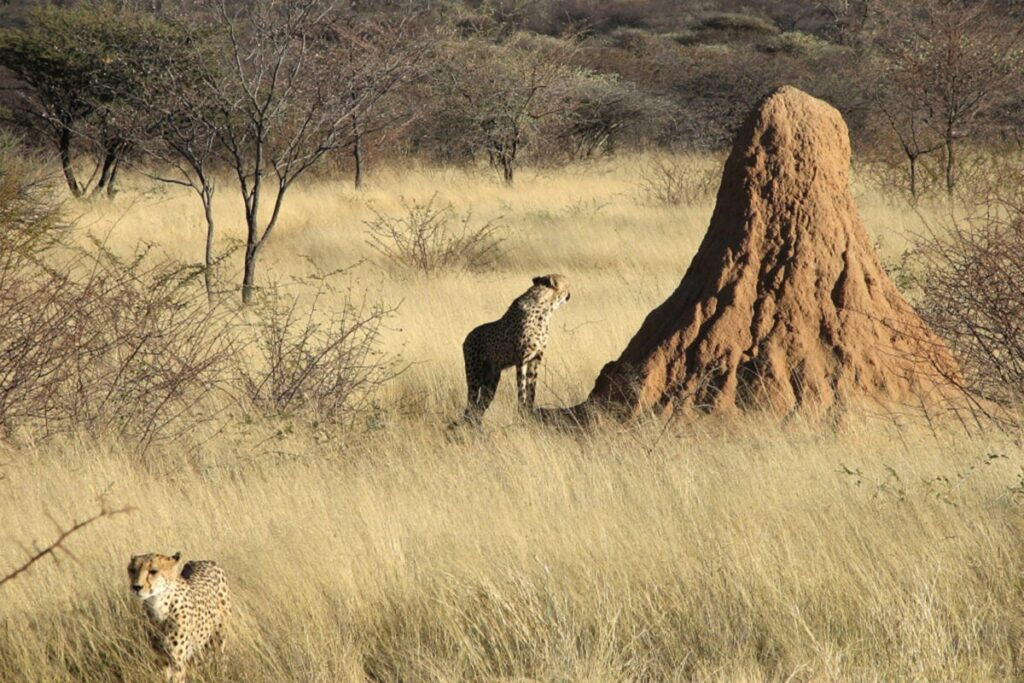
500,93
73,66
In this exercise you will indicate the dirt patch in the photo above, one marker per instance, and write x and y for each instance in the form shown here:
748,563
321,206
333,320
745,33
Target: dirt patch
785,305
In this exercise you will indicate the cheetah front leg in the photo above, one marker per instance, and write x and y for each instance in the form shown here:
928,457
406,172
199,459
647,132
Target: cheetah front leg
219,641
526,384
177,652
522,390
175,673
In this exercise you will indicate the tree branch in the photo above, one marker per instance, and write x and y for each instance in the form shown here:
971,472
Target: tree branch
64,534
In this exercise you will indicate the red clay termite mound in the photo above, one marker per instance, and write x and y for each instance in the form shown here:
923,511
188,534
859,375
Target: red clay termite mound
785,305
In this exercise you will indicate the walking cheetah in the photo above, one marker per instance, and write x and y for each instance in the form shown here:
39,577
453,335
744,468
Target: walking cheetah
518,338
187,603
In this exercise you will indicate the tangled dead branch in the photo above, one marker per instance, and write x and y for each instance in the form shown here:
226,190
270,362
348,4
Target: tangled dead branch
37,554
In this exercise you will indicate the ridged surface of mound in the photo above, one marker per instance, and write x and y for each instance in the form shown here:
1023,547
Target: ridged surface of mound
785,305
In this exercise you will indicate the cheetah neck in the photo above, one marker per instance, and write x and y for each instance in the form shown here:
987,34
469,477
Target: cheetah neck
545,316
159,606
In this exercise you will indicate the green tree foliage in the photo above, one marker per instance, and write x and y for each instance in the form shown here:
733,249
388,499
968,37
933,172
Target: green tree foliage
75,67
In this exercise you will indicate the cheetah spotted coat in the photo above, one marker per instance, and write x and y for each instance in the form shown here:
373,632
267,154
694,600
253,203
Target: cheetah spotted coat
517,339
189,614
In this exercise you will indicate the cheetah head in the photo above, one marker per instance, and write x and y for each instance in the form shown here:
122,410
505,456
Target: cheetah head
559,286
151,575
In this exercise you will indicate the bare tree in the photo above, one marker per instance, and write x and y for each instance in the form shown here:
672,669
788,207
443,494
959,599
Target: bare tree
188,145
848,20
384,35
909,123
174,123
277,98
502,91
599,112
951,63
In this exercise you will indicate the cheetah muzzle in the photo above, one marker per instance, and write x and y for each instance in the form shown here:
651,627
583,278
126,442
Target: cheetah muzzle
517,339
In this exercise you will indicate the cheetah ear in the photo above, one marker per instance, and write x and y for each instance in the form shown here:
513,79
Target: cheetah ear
176,569
542,280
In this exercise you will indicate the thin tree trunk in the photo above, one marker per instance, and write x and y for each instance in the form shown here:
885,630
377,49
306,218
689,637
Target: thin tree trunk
913,177
207,196
950,163
251,250
249,273
64,146
108,171
357,153
108,164
111,183
255,241
508,160
252,213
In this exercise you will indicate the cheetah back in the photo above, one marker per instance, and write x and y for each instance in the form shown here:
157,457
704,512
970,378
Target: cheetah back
208,587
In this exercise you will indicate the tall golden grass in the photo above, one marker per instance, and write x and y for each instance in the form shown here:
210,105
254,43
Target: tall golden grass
712,550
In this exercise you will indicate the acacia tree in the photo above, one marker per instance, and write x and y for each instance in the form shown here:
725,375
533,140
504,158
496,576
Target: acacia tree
174,122
364,43
275,99
951,63
71,66
188,145
599,110
500,93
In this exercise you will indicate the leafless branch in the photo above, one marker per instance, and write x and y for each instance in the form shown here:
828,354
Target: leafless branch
63,535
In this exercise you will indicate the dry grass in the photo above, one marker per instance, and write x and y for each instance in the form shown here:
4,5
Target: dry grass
739,551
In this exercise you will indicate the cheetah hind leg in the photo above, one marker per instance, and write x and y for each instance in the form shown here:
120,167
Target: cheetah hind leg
482,382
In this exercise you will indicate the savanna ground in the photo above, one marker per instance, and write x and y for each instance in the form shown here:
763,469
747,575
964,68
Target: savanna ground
711,550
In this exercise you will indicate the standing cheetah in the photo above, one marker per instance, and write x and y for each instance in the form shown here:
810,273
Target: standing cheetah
518,338
187,603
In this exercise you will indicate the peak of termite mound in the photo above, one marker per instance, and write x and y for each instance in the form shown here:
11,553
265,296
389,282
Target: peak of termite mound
785,305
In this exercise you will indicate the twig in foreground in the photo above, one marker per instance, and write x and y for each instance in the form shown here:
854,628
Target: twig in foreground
58,544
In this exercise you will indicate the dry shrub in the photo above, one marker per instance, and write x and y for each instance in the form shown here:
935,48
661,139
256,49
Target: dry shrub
90,341
107,345
58,546
735,22
884,174
986,179
29,216
324,363
431,237
799,44
130,348
678,180
966,275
